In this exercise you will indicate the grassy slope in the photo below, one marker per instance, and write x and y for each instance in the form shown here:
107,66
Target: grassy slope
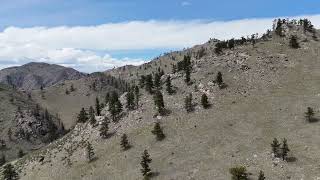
264,102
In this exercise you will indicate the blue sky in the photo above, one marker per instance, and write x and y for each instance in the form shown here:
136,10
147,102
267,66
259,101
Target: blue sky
123,24
28,13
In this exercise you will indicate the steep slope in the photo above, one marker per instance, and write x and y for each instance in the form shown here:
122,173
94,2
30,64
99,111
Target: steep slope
67,103
24,125
35,75
269,87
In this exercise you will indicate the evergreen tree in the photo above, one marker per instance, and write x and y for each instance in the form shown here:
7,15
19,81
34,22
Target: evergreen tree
309,114
231,43
239,173
278,29
142,81
115,106
275,147
90,152
204,101
149,84
253,40
261,176
169,86
146,160
46,114
188,103
294,42
82,117
284,149
157,81
72,88
157,130
124,142
104,129
3,160
158,101
188,74
92,116
130,100
9,173
98,107
67,92
20,153
219,80
118,108
136,96
218,48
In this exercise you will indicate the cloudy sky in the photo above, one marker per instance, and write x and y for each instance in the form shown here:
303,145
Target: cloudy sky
95,35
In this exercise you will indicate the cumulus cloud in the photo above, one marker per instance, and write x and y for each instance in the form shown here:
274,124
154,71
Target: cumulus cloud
79,46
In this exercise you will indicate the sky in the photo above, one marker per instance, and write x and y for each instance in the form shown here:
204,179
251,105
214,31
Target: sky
96,35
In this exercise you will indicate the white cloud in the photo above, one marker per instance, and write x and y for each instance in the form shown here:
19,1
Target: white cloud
185,3
78,46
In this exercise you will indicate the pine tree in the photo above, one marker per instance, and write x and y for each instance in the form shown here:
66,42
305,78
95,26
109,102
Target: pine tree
72,88
169,86
188,74
284,149
130,100
218,48
146,160
118,108
104,129
124,142
136,96
9,173
92,116
294,42
275,147
98,107
149,84
82,117
239,173
90,152
278,29
115,106
231,43
158,101
261,176
3,160
219,79
157,130
20,153
157,81
204,101
142,81
309,114
188,103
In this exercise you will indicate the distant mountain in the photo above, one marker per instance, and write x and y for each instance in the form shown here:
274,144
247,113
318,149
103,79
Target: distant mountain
34,75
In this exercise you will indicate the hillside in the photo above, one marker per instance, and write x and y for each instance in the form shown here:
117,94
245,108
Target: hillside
268,87
67,103
24,125
36,75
